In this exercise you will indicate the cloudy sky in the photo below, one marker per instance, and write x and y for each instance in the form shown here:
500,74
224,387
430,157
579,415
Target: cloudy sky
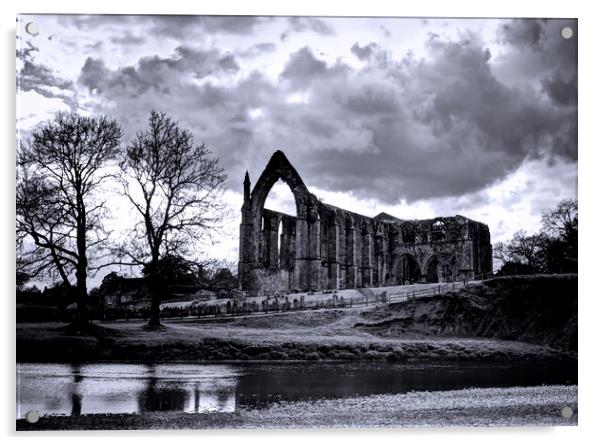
414,117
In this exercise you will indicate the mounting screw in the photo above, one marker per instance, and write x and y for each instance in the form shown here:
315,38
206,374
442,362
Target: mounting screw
32,416
566,32
32,28
566,412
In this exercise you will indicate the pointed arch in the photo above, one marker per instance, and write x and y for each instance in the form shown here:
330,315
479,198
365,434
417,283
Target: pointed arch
431,269
405,269
277,168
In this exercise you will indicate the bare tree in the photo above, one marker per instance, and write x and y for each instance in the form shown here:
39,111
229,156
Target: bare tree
561,221
522,248
173,184
500,252
552,250
59,214
560,229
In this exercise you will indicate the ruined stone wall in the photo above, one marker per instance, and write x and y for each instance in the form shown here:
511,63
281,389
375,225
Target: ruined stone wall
325,247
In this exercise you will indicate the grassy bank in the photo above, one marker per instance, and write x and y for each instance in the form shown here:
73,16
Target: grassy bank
180,342
515,406
539,309
519,318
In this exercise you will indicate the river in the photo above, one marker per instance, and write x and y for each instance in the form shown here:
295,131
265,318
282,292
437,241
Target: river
85,388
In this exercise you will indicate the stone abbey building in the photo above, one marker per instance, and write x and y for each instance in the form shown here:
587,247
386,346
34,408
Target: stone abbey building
325,247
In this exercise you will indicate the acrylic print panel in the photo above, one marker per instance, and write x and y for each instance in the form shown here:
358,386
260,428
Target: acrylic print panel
295,222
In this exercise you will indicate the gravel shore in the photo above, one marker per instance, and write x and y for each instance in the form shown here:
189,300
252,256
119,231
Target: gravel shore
515,406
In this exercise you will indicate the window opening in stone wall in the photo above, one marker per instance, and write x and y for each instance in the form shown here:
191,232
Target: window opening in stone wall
281,199
437,233
280,253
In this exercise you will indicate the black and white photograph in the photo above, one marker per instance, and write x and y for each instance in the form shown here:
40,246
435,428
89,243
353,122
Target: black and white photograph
295,222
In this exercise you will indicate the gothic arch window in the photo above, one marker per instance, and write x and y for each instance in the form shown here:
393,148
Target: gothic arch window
432,270
280,245
438,231
407,269
280,199
279,168
408,234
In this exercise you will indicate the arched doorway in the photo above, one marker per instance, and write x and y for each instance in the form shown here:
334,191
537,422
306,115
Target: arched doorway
432,270
408,270
444,267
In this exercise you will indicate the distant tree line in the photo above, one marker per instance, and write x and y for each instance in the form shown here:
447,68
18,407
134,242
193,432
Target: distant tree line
63,173
551,250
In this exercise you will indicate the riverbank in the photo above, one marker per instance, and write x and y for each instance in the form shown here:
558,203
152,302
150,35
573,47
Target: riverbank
218,343
510,318
515,406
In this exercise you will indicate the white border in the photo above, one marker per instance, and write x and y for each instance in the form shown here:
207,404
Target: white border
590,295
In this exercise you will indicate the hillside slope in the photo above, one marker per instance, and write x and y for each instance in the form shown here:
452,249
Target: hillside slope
539,309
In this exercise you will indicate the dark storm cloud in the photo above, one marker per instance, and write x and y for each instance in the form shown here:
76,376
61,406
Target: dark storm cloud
363,52
128,38
175,26
305,24
445,127
303,67
94,74
258,49
371,101
217,115
542,54
183,27
33,76
561,91
522,32
301,24
398,128
155,72
93,22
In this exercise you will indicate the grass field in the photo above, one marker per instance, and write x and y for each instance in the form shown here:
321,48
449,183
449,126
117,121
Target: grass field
328,335
501,319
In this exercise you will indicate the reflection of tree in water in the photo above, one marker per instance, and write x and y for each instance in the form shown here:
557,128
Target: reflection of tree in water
197,398
223,398
158,397
76,390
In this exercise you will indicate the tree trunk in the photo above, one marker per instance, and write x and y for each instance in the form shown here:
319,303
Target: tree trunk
83,317
155,315
154,286
81,273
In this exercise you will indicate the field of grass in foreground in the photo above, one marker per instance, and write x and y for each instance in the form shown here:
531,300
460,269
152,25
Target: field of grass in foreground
515,406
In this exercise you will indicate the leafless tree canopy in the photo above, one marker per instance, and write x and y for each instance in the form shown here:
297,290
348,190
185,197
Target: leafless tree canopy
523,248
173,185
553,249
562,220
59,213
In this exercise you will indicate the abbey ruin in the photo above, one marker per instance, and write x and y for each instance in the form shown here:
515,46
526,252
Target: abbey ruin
325,247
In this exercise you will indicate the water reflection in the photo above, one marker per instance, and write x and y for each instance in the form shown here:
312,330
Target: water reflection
266,384
158,397
75,389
